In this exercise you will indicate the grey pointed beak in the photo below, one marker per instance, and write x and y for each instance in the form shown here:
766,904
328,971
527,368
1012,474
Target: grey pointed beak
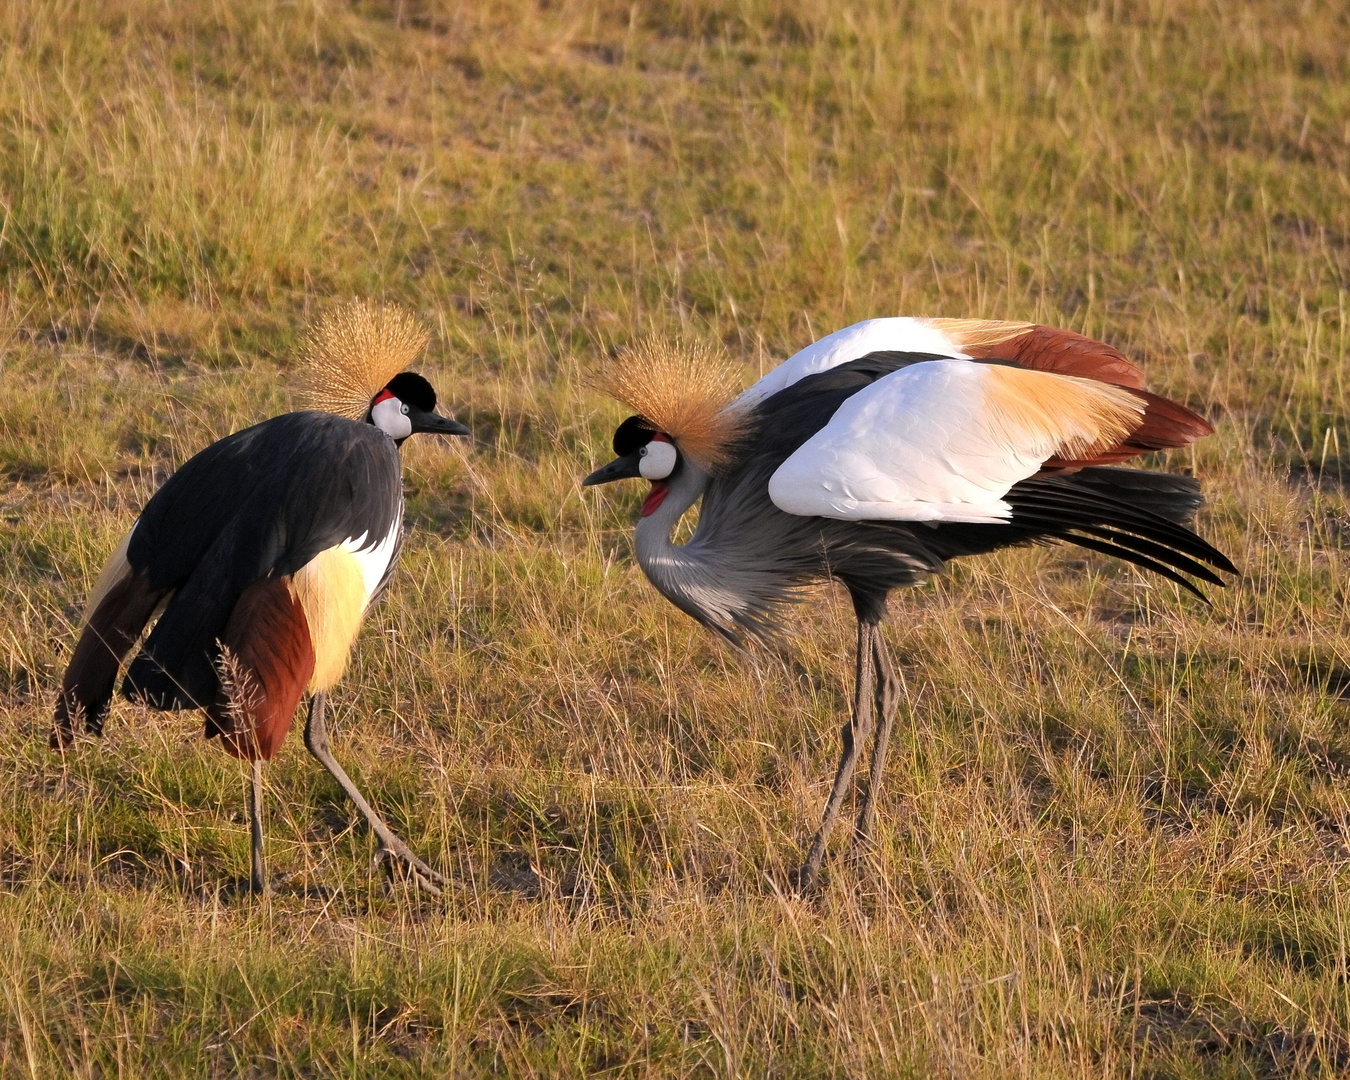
433,423
624,468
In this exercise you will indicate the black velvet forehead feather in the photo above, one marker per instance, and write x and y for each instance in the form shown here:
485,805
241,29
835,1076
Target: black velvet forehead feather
632,434
411,388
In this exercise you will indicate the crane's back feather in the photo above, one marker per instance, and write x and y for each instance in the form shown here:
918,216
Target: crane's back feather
1048,348
944,440
114,623
748,558
261,504
1074,417
1028,345
900,334
980,337
114,571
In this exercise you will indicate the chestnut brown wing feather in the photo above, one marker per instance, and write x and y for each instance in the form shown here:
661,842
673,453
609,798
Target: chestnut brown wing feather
1166,424
267,660
1063,352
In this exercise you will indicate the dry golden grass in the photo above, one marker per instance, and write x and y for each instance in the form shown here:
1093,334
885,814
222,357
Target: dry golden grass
1115,834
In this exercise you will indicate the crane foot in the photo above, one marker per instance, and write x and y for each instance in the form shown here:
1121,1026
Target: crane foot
806,878
401,864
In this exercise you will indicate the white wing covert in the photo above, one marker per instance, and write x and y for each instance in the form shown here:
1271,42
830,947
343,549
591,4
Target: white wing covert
897,334
945,440
937,337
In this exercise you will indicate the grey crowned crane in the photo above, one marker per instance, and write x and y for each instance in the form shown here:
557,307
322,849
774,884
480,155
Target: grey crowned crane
875,455
260,556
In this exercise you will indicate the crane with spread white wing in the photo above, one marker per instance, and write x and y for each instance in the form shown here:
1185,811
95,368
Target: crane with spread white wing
875,455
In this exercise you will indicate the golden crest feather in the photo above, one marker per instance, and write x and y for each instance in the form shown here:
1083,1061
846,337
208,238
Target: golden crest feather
683,388
353,351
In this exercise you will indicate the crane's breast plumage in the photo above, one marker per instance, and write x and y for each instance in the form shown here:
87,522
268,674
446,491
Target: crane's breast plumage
944,440
334,589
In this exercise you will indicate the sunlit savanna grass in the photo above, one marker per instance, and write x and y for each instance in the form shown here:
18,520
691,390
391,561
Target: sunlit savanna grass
1115,835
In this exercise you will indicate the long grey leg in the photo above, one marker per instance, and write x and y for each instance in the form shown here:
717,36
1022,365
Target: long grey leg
853,735
391,847
887,701
259,884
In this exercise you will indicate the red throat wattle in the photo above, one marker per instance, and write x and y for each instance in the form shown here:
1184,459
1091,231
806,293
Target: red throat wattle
655,497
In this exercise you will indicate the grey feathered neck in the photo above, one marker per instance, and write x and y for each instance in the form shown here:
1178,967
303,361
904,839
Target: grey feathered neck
732,588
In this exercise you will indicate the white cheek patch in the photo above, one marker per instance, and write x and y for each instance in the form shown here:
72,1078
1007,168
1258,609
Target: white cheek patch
658,460
388,416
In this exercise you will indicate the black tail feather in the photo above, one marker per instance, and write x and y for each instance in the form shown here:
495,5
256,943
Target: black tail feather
1134,557
1176,498
1160,552
1057,502
1133,515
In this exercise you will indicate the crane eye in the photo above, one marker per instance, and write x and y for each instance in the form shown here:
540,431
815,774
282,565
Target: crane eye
657,460
404,410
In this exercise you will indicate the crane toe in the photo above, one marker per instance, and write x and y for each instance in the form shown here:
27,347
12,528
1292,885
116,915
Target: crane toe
401,864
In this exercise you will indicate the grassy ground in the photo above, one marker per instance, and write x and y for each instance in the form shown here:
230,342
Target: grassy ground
1115,835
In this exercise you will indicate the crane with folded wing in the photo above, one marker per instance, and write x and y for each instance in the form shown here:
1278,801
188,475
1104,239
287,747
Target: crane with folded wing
258,560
